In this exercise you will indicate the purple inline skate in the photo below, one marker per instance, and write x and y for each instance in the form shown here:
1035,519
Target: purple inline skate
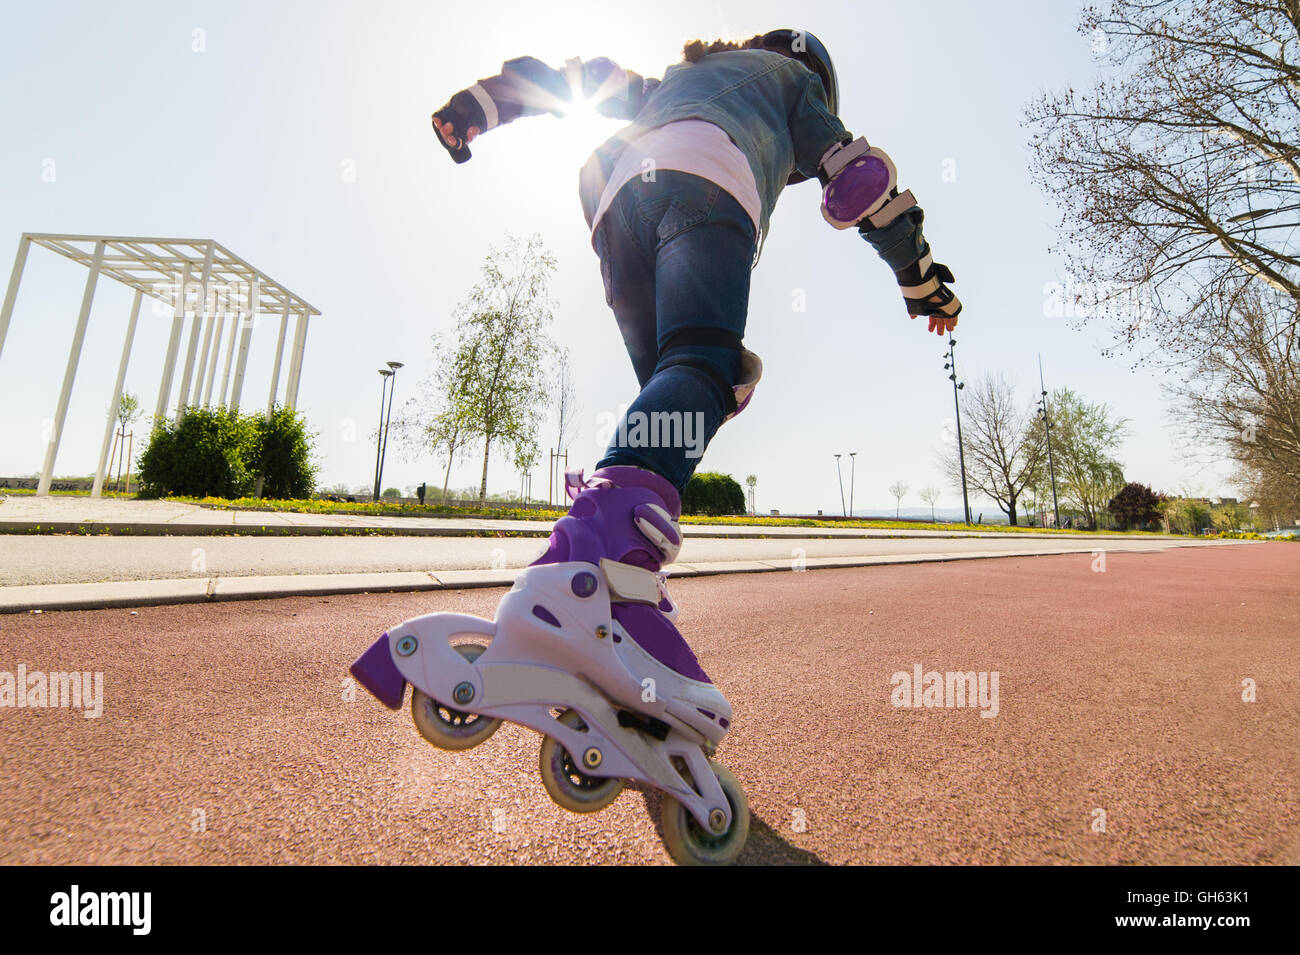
587,631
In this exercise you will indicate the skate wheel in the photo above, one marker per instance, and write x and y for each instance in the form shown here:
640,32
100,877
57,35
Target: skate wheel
690,844
567,784
447,728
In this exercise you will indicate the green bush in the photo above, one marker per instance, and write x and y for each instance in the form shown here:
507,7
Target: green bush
283,455
215,452
713,494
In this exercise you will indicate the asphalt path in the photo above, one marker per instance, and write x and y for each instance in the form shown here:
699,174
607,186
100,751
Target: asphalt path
228,734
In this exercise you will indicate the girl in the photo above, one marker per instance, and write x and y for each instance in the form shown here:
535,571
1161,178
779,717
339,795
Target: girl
678,202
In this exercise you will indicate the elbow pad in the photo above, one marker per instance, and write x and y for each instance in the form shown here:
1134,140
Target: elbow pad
861,186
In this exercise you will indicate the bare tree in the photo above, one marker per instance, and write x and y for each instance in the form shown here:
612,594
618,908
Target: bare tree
567,407
898,489
931,496
1003,453
1179,173
1244,396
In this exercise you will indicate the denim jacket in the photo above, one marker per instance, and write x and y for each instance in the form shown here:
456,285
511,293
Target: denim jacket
773,108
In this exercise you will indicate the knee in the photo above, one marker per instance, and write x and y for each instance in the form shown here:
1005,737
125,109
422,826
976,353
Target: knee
714,357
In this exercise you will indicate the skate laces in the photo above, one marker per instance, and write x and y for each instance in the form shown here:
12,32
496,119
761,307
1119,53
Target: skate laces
575,483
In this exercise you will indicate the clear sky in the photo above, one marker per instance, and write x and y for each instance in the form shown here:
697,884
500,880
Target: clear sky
238,120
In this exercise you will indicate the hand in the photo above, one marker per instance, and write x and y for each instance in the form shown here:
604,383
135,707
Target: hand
940,325
447,130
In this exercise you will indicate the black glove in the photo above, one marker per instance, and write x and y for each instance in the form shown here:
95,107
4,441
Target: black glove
925,290
462,111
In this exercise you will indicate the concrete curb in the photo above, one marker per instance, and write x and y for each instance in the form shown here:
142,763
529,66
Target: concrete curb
148,593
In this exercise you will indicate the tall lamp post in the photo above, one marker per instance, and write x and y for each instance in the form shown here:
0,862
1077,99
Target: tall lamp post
1047,430
385,374
853,477
951,355
391,378
840,475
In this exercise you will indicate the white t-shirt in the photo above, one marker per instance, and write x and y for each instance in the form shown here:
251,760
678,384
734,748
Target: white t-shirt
688,145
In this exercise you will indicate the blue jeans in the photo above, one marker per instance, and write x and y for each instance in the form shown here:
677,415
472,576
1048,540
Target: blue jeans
675,257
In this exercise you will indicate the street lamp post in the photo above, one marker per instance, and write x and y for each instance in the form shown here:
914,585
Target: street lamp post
951,355
385,374
840,475
853,477
394,365
383,454
1043,411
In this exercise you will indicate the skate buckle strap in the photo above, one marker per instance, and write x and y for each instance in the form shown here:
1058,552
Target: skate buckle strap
628,582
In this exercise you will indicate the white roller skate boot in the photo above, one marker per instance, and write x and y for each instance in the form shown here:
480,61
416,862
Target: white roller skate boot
587,630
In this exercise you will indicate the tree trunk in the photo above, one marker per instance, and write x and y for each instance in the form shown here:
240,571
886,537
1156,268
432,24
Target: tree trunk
1012,508
446,479
487,450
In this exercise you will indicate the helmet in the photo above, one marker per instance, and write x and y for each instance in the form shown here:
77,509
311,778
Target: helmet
811,52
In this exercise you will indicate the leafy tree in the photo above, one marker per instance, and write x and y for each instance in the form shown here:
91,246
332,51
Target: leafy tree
1136,505
1229,517
495,386
128,410
1187,515
1003,453
1085,435
391,492
713,494
751,482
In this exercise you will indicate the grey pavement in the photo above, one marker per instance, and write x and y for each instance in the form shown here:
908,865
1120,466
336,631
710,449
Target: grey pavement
202,583
81,514
165,552
60,559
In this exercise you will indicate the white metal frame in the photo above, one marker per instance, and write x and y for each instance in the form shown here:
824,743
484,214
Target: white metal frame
165,269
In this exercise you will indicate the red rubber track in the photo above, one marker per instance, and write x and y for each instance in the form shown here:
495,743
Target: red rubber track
1118,691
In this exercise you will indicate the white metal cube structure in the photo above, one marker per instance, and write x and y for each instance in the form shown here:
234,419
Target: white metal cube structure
196,276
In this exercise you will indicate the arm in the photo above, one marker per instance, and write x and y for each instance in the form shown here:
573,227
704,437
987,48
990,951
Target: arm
860,189
528,87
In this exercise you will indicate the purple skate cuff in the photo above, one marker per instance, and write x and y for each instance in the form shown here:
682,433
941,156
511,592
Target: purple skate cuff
376,671
622,475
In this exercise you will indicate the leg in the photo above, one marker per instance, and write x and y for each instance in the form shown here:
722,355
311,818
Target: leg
704,251
627,271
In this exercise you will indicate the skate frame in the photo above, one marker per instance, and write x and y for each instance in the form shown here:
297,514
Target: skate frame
525,673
